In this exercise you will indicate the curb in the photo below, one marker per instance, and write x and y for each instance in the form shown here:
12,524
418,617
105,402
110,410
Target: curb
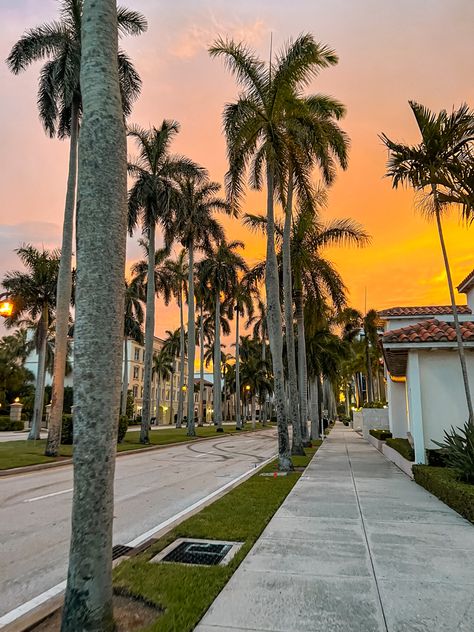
25,469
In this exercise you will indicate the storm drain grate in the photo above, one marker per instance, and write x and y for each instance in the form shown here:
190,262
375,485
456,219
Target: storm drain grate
120,549
200,552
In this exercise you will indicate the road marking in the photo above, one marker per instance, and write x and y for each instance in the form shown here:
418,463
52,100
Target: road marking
32,500
27,607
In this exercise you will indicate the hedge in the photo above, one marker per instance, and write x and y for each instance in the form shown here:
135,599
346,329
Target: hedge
403,447
380,434
7,424
442,482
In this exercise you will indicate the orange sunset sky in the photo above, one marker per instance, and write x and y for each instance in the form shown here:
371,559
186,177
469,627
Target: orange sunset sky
389,52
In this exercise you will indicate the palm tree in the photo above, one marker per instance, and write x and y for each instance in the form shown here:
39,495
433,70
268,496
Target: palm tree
219,272
255,373
13,352
151,199
256,131
176,273
195,227
163,369
445,141
242,301
101,246
33,293
60,111
371,343
172,347
134,296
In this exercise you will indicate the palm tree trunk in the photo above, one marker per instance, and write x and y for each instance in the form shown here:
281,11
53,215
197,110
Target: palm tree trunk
191,342
40,378
179,421
123,411
274,329
63,295
238,416
302,366
149,337
462,356
296,443
254,418
319,386
370,389
217,363
101,245
314,414
172,391
202,417
158,386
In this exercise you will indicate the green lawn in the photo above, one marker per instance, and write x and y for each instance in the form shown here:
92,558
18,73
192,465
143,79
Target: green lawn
184,593
21,453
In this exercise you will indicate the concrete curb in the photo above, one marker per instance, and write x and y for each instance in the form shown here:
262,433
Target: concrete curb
68,461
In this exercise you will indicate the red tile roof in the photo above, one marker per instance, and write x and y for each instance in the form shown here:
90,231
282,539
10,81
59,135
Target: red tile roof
467,282
428,310
429,331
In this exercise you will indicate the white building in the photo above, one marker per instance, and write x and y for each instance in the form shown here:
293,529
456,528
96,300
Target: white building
424,379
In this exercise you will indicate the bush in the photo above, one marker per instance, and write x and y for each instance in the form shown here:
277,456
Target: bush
7,424
441,481
374,404
458,451
122,428
380,434
436,458
403,447
67,430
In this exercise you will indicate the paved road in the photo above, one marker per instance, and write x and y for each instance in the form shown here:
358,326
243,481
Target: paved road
149,489
356,547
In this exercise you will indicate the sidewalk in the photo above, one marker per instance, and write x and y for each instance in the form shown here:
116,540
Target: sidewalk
356,547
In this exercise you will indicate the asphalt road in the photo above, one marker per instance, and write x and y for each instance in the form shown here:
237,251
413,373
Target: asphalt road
35,508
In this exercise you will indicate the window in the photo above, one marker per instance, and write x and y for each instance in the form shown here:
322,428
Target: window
135,372
143,374
137,354
141,392
135,391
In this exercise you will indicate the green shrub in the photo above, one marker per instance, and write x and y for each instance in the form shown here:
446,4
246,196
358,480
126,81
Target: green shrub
442,482
67,430
380,433
436,458
7,424
458,451
374,404
122,428
403,447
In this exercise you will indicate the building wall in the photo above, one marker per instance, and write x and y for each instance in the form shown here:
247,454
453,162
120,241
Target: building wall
442,392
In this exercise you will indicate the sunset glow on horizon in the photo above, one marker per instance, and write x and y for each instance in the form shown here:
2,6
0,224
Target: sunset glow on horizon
389,53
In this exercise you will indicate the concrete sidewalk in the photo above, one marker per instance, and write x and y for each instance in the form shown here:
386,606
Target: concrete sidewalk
356,547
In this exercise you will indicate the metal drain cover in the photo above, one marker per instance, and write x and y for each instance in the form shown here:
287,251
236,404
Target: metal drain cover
200,552
120,549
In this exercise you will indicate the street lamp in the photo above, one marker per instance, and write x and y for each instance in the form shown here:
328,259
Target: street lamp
6,308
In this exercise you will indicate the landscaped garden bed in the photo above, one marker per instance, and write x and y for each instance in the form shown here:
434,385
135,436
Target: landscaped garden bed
442,482
403,447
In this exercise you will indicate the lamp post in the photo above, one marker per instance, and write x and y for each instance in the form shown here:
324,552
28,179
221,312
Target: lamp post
247,393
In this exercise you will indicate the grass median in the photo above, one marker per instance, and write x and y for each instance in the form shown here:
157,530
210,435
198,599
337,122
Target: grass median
21,453
183,593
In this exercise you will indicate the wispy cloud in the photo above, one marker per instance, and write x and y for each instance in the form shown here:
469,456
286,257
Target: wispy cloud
197,37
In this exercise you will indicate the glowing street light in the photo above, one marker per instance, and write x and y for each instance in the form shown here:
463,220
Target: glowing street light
247,387
6,308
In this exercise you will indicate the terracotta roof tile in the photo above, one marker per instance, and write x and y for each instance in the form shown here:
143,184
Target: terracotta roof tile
425,310
429,331
467,282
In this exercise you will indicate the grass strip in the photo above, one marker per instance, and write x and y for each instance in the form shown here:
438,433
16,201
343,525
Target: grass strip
184,593
22,453
442,482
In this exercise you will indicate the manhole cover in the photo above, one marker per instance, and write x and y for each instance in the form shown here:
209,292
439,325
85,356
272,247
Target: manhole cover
201,552
120,549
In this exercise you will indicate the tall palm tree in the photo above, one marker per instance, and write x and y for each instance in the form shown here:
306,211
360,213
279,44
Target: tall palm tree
242,301
101,246
445,141
132,329
220,272
33,293
176,271
163,369
151,199
172,347
195,227
255,128
60,111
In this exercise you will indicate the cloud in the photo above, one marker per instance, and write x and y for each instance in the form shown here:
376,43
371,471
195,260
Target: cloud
197,38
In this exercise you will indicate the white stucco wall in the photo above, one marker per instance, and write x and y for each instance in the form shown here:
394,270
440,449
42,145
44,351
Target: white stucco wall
442,392
397,408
